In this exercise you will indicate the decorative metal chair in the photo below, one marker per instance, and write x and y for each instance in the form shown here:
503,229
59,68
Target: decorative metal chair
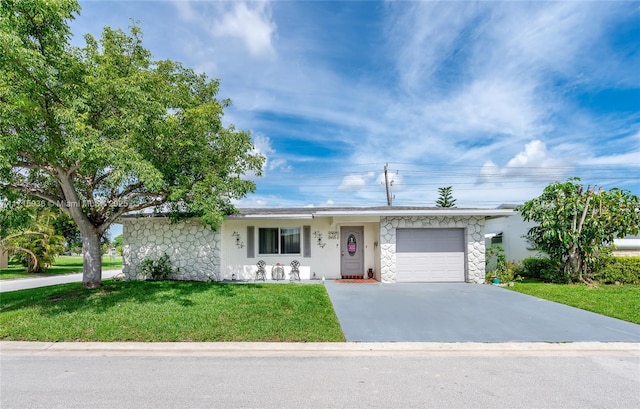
295,270
261,274
277,272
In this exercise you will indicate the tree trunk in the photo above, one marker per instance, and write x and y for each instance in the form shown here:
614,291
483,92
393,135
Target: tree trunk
92,259
91,253
573,265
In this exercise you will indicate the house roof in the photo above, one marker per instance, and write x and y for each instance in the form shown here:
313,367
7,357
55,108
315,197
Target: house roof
314,212
378,211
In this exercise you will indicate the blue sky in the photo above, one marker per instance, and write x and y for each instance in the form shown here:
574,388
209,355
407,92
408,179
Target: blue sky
496,99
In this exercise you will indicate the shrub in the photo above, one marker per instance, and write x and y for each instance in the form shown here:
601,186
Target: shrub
624,270
498,267
157,270
543,269
509,272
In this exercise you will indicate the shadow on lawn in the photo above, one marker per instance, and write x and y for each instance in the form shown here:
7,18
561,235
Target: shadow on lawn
68,298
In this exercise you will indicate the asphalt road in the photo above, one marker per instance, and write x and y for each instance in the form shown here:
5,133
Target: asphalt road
410,375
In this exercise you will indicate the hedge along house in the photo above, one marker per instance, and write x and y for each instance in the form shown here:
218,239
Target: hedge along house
390,244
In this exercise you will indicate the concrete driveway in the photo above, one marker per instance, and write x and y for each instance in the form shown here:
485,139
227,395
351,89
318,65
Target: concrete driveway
439,312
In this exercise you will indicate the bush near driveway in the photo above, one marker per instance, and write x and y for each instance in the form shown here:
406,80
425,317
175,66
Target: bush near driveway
610,270
624,270
167,311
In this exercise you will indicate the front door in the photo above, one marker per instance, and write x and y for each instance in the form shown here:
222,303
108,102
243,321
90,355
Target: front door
352,251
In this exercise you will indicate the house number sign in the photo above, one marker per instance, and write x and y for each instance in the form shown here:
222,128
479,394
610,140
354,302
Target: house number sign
351,245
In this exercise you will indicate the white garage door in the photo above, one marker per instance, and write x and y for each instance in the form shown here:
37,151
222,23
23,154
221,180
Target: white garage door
429,255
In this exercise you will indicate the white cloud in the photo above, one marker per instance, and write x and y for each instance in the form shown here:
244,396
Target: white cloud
474,85
273,162
186,11
533,163
623,159
356,182
251,23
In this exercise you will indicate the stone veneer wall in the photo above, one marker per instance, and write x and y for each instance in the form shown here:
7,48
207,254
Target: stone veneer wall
193,248
474,241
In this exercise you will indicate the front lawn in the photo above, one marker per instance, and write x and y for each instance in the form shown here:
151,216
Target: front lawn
62,265
170,311
617,301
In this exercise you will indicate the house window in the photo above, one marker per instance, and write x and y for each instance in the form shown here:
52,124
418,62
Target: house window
274,240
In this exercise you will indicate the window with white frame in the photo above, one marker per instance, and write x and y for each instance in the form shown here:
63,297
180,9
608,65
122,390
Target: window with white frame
279,240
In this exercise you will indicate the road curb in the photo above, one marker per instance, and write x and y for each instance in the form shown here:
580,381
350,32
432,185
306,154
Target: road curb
20,348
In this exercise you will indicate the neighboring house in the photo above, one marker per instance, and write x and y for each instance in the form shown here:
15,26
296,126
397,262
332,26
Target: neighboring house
395,244
627,246
509,232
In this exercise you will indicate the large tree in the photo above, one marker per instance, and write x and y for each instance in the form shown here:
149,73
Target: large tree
103,130
574,224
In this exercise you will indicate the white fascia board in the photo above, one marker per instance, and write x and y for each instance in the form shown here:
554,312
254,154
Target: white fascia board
271,216
391,212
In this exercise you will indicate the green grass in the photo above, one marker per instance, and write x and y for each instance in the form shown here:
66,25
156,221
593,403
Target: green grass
62,265
170,311
622,302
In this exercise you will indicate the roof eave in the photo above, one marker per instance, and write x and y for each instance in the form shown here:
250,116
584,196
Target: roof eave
409,213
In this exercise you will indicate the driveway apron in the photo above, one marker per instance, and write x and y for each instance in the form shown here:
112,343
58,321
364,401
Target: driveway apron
460,312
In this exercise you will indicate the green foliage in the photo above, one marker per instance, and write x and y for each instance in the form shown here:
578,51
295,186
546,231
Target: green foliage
157,270
117,243
16,212
498,267
575,225
543,269
620,270
495,261
446,198
104,129
66,227
35,245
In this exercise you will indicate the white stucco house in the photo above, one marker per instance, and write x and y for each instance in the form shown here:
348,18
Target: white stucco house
509,233
392,244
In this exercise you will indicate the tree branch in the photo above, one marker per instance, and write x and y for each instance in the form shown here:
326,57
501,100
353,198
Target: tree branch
131,188
37,193
111,219
102,177
585,210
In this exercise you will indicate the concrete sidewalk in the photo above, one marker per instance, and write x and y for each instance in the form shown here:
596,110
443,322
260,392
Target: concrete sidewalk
26,283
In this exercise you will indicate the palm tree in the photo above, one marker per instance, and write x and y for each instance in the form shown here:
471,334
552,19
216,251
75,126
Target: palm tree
35,245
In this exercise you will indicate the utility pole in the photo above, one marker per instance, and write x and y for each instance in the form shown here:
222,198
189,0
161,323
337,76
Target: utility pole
386,184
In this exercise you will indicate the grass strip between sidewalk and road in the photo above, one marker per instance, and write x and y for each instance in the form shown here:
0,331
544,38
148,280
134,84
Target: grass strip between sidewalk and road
167,311
617,301
61,265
